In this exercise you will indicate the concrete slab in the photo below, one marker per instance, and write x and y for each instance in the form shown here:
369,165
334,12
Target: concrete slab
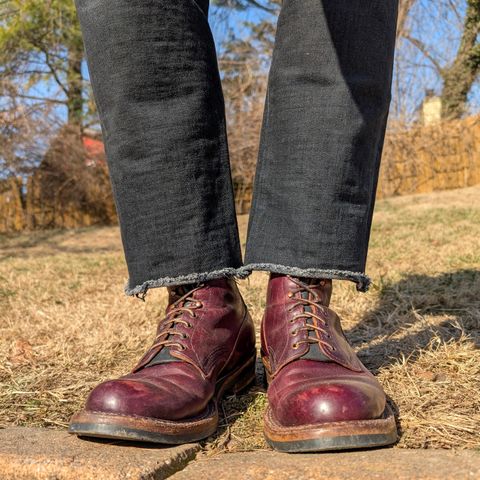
388,464
41,454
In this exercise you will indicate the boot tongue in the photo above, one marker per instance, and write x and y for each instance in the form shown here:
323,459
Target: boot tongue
322,290
163,356
179,291
314,352
175,293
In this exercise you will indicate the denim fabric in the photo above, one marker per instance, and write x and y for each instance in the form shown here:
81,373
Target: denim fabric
324,124
155,79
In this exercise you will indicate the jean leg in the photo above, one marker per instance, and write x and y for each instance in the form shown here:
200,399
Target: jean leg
155,79
322,136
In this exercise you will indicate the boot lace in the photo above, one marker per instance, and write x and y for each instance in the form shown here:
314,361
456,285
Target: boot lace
186,304
309,288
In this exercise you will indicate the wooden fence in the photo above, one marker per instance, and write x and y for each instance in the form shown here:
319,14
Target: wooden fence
25,205
424,159
416,160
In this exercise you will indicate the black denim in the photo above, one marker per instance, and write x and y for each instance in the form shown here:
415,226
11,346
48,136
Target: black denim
156,83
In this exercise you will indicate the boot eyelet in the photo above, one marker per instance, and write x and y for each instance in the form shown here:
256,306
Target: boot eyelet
295,346
189,325
184,335
294,333
199,304
290,294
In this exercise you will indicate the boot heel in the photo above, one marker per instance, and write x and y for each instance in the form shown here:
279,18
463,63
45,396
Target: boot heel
246,377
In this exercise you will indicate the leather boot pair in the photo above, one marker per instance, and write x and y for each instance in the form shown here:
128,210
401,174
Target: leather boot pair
320,395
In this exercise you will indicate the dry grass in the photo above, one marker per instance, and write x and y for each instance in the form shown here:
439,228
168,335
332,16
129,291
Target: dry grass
65,324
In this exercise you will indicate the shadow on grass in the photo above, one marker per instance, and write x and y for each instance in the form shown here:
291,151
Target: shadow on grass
401,307
29,239
452,299
25,245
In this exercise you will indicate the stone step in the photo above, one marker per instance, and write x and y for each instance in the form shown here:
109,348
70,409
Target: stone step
384,464
41,454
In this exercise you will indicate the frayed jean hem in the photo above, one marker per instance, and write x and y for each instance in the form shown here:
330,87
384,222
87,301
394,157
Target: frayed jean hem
363,281
141,290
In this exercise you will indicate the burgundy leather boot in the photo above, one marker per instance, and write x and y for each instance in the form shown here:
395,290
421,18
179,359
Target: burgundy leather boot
204,346
321,397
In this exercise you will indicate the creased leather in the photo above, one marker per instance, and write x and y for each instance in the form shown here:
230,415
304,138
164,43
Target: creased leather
304,389
220,339
276,322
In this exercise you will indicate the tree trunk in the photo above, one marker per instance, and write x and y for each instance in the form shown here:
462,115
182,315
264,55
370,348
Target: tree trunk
75,87
457,82
458,78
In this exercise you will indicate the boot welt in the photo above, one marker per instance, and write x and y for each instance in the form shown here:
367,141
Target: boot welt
331,436
174,432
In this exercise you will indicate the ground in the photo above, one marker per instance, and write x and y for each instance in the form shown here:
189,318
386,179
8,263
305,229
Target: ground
66,325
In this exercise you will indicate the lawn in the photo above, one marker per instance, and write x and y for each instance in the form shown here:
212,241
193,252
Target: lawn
65,323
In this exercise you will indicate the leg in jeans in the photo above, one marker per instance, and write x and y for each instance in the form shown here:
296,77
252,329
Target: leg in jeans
322,136
155,78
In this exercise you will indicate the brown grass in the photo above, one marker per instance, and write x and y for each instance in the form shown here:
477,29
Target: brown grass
65,323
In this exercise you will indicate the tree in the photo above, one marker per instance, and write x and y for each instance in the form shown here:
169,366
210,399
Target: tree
244,63
404,8
459,71
41,51
43,158
459,76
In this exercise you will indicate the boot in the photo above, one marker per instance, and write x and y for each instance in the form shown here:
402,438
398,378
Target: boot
204,346
320,396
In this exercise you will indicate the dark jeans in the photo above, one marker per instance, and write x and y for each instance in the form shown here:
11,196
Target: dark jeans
155,79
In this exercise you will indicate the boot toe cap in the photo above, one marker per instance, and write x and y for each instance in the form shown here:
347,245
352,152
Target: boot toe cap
136,397
123,397
330,402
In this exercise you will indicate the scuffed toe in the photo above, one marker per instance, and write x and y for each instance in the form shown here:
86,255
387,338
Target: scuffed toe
152,393
329,402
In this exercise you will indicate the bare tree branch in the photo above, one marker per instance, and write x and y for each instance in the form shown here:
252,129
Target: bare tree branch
424,50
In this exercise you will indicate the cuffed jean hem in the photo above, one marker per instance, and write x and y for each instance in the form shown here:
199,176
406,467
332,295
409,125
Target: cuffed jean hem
363,281
141,290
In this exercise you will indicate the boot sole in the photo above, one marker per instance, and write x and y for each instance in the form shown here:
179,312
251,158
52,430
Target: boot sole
173,432
322,437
